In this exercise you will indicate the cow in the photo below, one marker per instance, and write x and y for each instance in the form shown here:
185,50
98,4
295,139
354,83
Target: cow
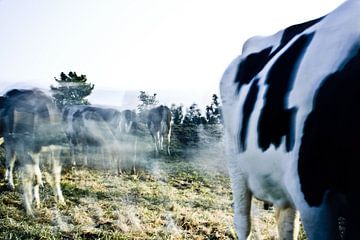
72,128
30,124
128,119
159,121
128,139
292,125
92,127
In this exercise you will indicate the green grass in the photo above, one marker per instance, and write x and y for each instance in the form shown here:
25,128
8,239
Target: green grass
165,200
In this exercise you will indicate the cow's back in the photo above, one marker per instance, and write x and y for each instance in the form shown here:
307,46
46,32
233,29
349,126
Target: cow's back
31,115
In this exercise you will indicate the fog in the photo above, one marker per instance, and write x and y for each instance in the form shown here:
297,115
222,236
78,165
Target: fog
88,138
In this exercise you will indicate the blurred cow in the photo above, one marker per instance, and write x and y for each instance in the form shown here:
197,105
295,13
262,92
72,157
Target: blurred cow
159,121
128,119
129,138
290,105
93,128
30,122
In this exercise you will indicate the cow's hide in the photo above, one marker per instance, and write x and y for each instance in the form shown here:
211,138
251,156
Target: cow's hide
292,123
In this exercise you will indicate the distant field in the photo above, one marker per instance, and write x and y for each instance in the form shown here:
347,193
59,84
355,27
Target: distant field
165,200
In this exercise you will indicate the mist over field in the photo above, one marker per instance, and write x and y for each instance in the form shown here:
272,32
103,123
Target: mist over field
115,183
122,191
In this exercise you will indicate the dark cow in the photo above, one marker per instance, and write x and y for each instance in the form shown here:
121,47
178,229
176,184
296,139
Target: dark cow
293,125
92,127
128,119
30,123
159,123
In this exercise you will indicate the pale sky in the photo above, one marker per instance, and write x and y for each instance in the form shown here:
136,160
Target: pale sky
176,48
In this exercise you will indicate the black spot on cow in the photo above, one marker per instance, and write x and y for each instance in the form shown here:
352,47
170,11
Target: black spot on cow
247,110
329,151
276,120
251,66
254,63
294,30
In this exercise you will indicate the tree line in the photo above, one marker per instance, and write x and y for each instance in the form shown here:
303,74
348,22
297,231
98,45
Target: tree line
191,129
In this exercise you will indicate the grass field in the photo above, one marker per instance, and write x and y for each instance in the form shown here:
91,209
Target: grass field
162,200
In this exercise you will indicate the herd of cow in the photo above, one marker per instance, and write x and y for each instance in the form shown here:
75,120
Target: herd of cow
31,124
292,128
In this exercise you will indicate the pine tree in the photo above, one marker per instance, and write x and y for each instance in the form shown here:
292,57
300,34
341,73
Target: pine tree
72,90
177,113
147,102
213,112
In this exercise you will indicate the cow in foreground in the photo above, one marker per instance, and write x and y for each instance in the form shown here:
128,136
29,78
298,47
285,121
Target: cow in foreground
30,124
159,123
292,125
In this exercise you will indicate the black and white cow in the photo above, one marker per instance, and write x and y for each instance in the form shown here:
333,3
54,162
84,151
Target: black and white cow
159,122
128,119
292,120
30,124
92,128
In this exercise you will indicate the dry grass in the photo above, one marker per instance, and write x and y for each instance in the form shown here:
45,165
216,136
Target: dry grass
166,200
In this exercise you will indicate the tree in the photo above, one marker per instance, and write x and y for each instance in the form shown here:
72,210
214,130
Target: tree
213,112
193,115
189,131
177,113
72,90
147,101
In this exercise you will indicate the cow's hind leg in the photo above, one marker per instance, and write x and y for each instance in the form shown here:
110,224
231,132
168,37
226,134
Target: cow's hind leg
168,142
242,206
10,163
38,177
156,143
288,223
57,177
37,185
56,172
321,223
352,223
27,174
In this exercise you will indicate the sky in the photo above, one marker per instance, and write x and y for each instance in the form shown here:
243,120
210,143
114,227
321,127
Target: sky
178,49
